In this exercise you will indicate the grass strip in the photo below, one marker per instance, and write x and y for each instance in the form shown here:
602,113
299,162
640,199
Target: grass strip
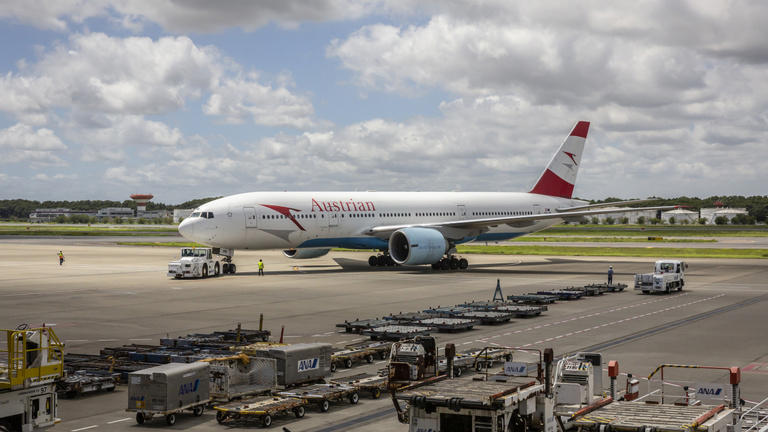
614,251
536,239
651,230
162,244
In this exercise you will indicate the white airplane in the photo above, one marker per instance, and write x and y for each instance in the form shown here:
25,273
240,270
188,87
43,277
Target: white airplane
408,228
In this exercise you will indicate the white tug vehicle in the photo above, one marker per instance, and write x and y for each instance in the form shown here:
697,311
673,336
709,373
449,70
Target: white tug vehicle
201,263
668,275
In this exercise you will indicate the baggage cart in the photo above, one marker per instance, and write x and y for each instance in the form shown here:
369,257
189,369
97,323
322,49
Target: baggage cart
261,408
167,390
562,294
533,299
355,353
489,317
323,394
358,326
372,384
448,324
397,332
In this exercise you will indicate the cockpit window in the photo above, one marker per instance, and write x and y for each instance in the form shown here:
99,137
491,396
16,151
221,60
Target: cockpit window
195,214
209,215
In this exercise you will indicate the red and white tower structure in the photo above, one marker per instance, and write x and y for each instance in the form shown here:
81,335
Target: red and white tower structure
141,201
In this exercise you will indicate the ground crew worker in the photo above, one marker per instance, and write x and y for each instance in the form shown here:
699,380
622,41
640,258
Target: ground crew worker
610,275
61,257
261,268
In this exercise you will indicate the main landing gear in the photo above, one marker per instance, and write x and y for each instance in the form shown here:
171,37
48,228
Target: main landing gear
451,263
383,260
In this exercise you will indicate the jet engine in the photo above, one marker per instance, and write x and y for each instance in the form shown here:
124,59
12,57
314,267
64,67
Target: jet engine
414,246
305,253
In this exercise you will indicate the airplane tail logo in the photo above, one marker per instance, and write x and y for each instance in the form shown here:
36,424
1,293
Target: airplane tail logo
559,176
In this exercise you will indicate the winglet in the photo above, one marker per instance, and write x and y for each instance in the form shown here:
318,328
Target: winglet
559,176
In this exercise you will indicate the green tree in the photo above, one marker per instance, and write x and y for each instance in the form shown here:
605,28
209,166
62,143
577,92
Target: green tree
624,220
721,220
672,220
641,220
702,221
595,220
609,220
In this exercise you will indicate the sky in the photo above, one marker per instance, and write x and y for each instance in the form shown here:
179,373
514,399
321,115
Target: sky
100,99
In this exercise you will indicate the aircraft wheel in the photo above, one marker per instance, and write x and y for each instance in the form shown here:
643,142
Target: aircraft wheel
444,264
232,268
436,266
372,261
381,260
453,263
463,263
390,261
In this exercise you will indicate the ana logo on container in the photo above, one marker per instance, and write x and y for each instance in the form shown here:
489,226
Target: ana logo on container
189,387
709,391
309,364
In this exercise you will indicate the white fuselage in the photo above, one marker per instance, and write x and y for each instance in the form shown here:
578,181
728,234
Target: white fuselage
283,220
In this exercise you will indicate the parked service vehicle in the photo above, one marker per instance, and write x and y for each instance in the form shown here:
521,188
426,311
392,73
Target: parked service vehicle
31,361
198,263
668,275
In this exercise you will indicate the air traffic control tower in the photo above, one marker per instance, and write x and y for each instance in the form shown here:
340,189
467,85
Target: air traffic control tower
141,202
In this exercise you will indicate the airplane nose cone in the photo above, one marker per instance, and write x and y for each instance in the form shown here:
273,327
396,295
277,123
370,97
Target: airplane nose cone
187,229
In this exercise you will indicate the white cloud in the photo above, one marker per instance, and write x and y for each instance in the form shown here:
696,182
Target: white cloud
189,16
23,137
107,137
243,99
148,77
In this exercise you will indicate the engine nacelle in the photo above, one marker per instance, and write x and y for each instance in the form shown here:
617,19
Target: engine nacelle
415,246
305,253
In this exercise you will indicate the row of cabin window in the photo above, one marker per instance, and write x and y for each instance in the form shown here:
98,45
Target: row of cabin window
369,215
502,213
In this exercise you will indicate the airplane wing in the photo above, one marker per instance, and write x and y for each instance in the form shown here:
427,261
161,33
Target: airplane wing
515,221
606,204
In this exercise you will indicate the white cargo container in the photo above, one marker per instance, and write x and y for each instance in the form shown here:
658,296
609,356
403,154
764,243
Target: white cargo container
168,390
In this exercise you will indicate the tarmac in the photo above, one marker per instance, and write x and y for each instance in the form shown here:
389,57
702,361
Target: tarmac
109,295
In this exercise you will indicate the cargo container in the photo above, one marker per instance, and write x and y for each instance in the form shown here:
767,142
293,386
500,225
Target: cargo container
241,375
168,390
299,363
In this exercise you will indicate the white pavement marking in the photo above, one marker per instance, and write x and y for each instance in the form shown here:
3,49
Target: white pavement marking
85,428
118,421
143,339
107,340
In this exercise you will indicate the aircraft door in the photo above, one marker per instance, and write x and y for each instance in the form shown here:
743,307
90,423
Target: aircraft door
461,211
333,220
251,218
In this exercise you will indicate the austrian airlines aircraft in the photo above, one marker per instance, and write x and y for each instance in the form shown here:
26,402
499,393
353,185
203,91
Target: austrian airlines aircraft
408,228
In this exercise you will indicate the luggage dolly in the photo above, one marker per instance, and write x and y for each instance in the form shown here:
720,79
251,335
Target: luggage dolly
324,394
262,408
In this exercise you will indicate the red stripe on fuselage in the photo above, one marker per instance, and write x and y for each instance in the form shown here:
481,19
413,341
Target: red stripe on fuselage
581,129
552,185
285,211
